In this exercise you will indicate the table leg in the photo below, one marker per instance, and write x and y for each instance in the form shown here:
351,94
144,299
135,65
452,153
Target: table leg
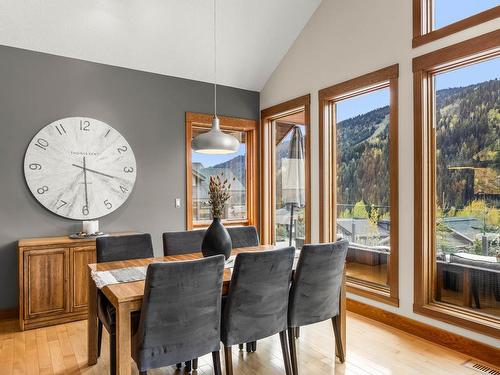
342,315
123,339
92,322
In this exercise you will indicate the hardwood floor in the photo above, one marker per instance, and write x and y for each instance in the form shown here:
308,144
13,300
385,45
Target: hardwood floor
373,349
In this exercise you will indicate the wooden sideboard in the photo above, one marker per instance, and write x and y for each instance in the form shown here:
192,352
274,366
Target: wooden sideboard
53,280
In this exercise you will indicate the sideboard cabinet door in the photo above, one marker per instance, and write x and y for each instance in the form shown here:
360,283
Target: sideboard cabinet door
46,282
80,258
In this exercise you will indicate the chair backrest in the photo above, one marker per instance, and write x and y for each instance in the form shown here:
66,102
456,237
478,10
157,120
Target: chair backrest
181,312
243,236
315,291
130,246
184,242
257,302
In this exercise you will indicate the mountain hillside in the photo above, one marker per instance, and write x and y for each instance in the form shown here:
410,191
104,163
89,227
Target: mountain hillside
468,122
468,129
237,165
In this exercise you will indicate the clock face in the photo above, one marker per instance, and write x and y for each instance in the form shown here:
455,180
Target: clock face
80,168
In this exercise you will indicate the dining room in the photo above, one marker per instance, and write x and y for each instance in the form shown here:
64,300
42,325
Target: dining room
250,187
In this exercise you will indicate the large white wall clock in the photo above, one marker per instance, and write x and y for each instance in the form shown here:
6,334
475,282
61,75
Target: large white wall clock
80,168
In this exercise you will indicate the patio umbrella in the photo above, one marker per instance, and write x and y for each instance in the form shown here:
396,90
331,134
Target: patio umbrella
293,175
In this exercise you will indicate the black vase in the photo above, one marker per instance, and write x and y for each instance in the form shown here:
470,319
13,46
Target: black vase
216,240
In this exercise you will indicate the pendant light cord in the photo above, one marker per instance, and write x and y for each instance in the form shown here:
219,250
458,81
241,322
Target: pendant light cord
215,58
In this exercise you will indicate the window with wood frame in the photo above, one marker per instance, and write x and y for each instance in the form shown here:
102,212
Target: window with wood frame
239,168
457,184
285,168
359,179
435,19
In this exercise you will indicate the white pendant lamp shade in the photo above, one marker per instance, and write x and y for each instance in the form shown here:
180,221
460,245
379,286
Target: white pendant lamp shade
215,141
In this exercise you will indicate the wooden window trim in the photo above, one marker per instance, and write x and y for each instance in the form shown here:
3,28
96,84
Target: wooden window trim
387,77
465,53
269,115
201,120
423,19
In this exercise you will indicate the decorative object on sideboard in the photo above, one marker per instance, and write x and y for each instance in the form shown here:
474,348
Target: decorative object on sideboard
80,168
217,240
215,141
90,229
90,226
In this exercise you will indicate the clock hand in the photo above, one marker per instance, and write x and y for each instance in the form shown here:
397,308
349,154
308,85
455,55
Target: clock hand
93,171
85,180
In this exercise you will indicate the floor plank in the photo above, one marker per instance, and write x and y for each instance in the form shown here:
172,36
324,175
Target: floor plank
373,349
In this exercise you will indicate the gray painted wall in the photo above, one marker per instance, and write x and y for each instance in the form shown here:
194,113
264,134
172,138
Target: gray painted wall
148,109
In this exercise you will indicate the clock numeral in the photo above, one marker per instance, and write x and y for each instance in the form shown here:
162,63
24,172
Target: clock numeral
122,149
60,129
42,143
35,166
85,210
42,190
128,169
108,204
85,125
123,189
61,203
105,135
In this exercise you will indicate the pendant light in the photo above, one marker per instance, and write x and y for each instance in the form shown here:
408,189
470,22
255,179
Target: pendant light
215,141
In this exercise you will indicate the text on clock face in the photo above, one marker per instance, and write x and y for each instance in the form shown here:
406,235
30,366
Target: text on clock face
80,168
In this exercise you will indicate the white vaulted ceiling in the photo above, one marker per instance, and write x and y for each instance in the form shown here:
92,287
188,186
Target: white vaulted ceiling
171,37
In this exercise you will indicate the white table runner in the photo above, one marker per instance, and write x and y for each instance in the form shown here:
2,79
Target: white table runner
131,274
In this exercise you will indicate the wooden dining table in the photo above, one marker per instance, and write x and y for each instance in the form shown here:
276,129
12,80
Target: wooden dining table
127,298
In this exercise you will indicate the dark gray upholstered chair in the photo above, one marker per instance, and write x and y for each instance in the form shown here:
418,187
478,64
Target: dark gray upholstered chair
257,302
109,249
244,237
315,291
185,242
181,312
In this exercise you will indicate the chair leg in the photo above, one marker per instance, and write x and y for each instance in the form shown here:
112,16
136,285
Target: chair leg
216,362
297,332
293,350
188,366
99,338
286,354
338,338
195,364
251,346
112,354
228,360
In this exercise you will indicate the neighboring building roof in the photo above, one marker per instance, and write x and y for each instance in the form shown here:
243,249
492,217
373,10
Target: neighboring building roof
362,227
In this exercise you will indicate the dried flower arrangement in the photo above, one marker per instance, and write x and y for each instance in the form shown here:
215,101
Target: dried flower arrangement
218,193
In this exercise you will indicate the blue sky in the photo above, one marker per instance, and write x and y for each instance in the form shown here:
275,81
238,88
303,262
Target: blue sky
469,75
362,104
449,11
457,78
